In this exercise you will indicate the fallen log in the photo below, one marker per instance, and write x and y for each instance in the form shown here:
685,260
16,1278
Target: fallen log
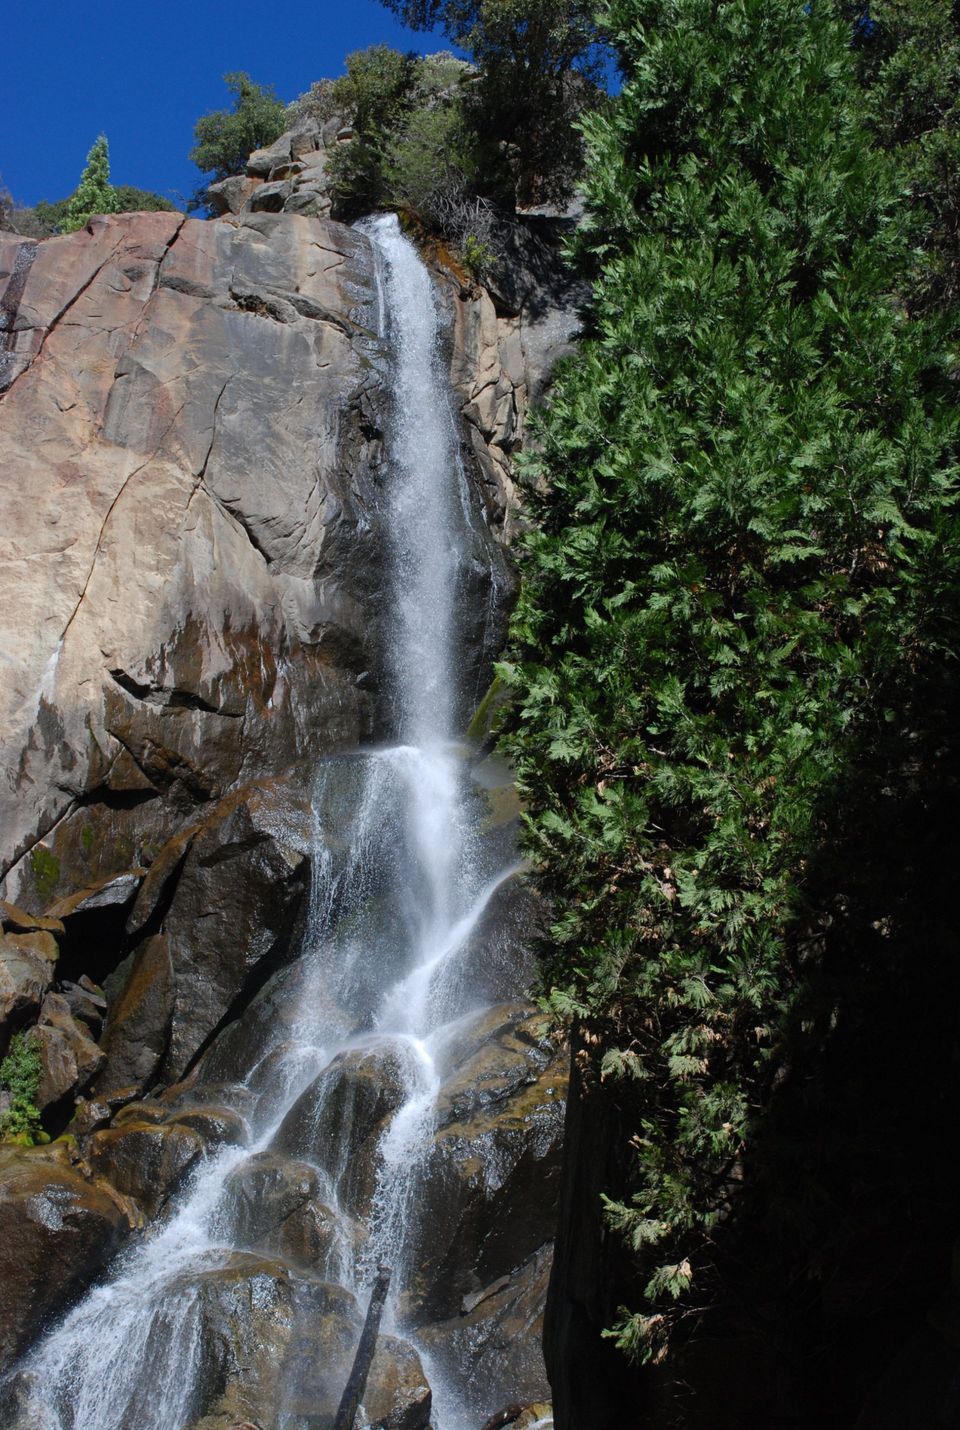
357,1382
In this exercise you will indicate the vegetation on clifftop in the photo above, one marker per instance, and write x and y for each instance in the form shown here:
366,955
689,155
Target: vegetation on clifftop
225,138
739,583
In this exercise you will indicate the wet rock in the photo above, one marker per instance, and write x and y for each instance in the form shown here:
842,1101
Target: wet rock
274,1205
198,1095
397,1396
27,967
242,881
69,1058
491,1181
89,1116
269,1338
241,1051
495,1344
214,1123
497,963
337,1121
145,1160
50,1217
508,1055
137,1031
135,1112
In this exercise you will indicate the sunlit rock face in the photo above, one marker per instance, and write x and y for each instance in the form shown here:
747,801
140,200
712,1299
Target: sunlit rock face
189,439
194,604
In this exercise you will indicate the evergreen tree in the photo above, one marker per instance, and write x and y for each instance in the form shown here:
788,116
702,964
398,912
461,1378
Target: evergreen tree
538,67
94,193
739,567
227,137
907,56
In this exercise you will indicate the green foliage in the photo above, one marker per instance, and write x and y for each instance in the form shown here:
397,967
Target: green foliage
133,200
477,256
410,147
46,218
45,867
7,209
318,103
909,63
20,1076
537,69
227,137
94,193
741,565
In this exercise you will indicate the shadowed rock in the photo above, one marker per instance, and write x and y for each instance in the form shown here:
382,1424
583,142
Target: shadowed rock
50,1217
270,1338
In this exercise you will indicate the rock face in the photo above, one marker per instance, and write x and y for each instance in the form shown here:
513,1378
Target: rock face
191,599
270,1340
50,1217
187,430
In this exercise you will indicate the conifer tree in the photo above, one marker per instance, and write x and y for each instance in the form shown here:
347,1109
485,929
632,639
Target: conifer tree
94,193
746,531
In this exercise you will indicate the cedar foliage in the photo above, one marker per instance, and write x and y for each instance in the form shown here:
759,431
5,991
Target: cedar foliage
20,1073
94,194
737,576
907,55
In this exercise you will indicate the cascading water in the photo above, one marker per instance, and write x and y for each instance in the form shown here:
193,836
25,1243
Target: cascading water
381,983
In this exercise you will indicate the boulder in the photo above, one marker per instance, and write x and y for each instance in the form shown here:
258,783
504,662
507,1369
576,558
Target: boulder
69,1058
274,1205
50,1217
86,1002
145,1160
116,890
27,967
266,1337
270,197
216,1124
90,1115
337,1122
230,195
17,920
305,201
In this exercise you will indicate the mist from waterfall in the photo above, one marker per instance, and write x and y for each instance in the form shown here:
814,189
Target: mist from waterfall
395,896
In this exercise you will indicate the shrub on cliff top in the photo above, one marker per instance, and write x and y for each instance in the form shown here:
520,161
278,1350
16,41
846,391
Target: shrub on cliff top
410,145
740,567
538,68
227,137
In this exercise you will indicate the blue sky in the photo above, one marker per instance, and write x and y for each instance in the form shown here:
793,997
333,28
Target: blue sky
143,75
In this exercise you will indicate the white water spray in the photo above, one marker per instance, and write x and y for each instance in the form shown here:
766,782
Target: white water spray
381,971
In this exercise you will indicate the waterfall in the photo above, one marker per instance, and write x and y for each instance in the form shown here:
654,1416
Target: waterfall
380,984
